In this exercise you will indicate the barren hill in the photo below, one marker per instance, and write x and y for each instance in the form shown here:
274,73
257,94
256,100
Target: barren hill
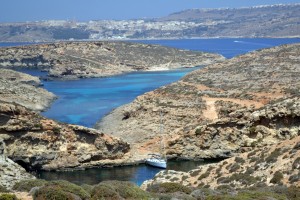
98,59
226,94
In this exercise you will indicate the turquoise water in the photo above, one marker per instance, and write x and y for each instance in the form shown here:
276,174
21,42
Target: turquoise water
86,101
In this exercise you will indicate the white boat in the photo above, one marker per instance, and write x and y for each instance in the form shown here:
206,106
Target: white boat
158,160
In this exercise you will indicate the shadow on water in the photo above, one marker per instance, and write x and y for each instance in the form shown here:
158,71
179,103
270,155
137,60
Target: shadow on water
136,174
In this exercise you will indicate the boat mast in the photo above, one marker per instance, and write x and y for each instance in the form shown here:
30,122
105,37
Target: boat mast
161,129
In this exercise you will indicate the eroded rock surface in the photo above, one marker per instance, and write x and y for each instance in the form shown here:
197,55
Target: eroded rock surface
274,165
39,143
10,172
221,101
23,89
98,59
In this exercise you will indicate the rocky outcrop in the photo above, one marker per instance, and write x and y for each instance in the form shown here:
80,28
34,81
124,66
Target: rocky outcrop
267,166
240,131
35,142
98,59
23,89
10,172
211,99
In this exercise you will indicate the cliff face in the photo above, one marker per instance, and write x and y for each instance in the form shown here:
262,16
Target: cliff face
240,131
221,101
267,166
23,89
98,59
39,143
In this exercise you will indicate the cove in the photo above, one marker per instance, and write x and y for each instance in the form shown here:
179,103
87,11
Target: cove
86,101
136,174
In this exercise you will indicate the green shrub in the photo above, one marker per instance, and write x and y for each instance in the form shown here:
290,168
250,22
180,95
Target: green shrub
8,197
293,193
125,189
104,192
273,156
69,187
52,193
3,189
278,176
294,178
234,167
26,185
239,160
169,188
87,188
296,163
205,175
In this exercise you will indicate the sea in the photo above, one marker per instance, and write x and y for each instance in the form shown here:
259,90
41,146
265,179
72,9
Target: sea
86,101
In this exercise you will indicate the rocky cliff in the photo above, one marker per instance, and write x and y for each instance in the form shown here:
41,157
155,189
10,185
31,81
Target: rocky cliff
214,112
98,59
10,172
35,142
23,89
275,165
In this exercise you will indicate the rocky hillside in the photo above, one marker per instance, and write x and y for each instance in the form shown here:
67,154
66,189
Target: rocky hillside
206,112
23,89
260,21
267,166
10,172
98,59
35,142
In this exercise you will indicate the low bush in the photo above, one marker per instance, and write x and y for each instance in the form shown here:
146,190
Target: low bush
169,188
104,192
124,189
26,185
53,193
273,156
234,167
3,189
87,188
69,187
239,160
8,197
278,176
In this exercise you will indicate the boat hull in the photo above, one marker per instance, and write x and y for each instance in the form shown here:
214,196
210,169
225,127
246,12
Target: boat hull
157,163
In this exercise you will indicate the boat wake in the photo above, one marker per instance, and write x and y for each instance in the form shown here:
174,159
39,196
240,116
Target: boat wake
252,43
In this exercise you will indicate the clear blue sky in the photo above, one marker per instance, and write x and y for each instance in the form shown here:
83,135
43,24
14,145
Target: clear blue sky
84,10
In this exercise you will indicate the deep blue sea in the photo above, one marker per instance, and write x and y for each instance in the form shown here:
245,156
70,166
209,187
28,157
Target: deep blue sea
86,101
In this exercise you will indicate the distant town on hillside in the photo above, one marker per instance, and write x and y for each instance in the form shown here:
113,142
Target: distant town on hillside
260,21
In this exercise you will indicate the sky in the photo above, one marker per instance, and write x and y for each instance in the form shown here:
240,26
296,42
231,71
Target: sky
85,10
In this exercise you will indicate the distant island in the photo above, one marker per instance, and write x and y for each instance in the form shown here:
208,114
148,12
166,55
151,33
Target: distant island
261,21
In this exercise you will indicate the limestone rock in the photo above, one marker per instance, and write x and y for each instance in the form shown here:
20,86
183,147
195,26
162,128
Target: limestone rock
23,89
220,110
97,59
273,165
39,143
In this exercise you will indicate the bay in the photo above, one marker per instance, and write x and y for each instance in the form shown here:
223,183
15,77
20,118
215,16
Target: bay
85,101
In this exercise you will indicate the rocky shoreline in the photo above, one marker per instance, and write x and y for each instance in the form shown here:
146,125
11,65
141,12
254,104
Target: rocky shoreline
23,89
218,103
69,60
246,108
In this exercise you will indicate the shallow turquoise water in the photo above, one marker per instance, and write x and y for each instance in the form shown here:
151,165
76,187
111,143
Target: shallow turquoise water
86,101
